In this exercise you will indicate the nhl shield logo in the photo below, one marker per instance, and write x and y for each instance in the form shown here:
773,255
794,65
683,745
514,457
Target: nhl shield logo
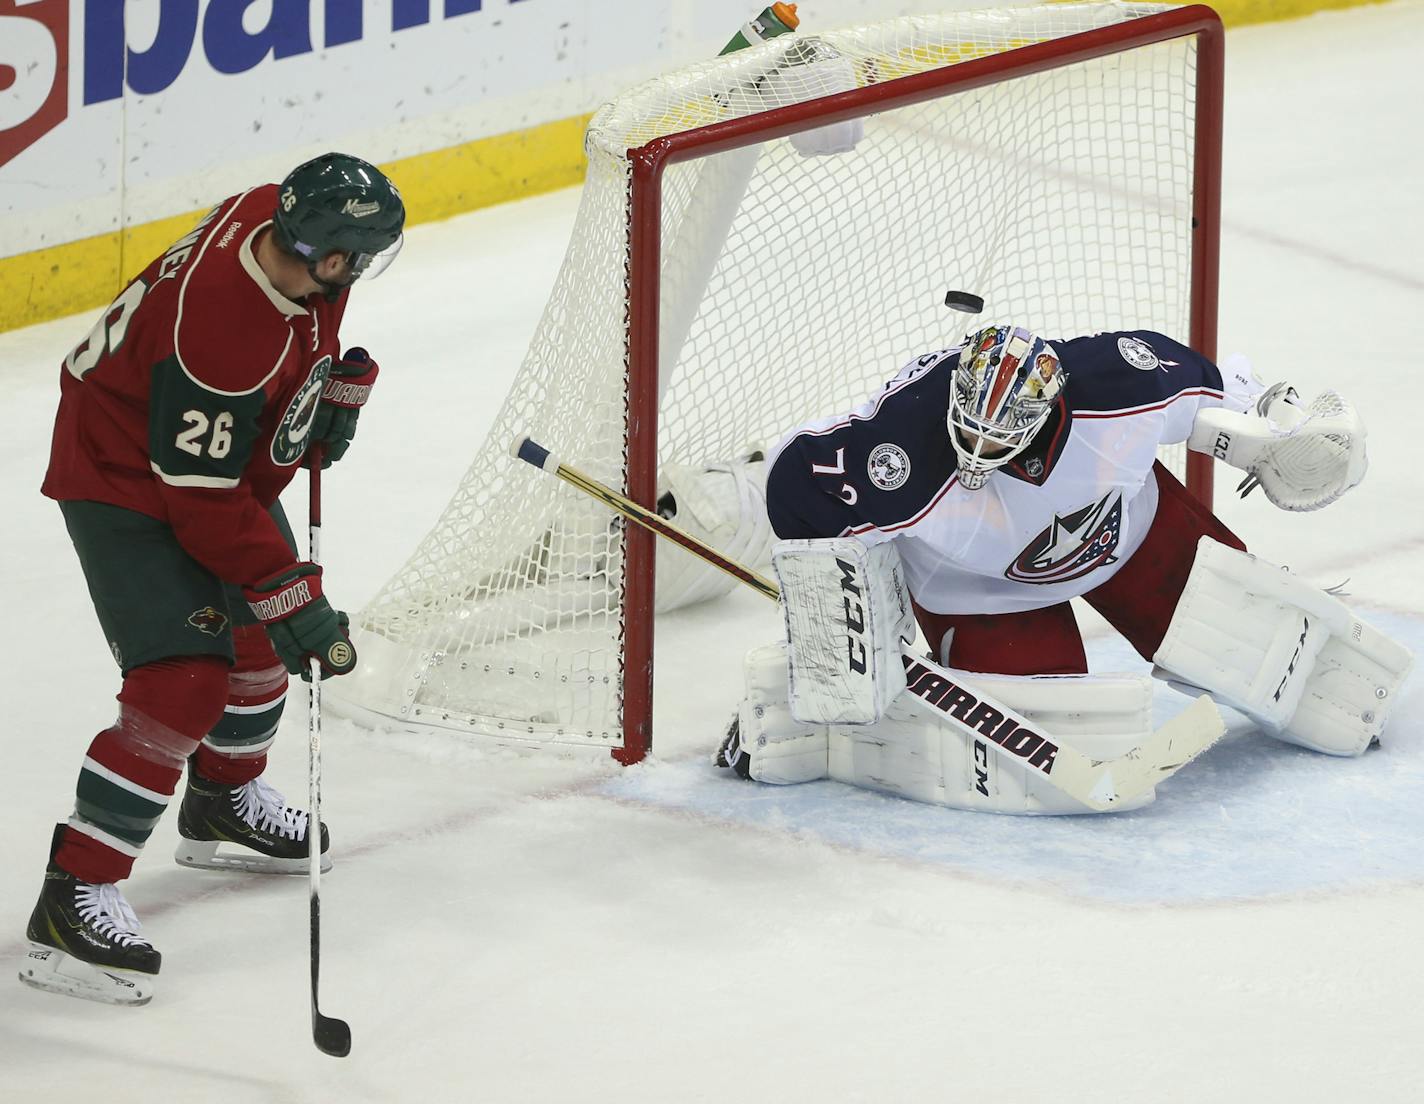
888,466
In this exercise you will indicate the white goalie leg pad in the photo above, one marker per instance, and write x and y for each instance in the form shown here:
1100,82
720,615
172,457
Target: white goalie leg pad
723,505
915,757
782,750
847,607
1291,657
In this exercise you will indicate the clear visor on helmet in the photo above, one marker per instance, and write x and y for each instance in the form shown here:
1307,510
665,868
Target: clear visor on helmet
360,265
367,266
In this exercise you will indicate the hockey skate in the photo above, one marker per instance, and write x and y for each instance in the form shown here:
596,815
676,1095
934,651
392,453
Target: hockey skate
248,827
729,752
84,941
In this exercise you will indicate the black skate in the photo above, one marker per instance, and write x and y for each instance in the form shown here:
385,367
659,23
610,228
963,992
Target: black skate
84,941
247,827
730,753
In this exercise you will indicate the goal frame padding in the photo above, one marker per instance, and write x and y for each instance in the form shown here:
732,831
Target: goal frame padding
648,163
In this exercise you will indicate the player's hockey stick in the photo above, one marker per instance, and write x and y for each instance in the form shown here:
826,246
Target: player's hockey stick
1100,784
332,1036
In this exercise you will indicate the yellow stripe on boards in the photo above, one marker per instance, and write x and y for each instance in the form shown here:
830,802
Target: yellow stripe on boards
84,274
1241,13
491,170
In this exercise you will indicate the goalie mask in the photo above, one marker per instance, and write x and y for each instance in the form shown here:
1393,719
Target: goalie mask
1004,388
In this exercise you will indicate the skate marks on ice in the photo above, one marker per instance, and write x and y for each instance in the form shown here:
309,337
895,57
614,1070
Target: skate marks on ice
1252,818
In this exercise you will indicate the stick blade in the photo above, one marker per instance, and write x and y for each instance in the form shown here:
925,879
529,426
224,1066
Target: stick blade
1106,784
332,1036
1169,749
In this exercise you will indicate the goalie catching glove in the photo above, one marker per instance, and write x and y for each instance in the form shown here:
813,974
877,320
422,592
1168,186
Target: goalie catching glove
301,623
1302,456
346,392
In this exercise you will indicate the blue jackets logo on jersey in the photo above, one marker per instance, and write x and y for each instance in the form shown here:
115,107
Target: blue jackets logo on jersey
1073,545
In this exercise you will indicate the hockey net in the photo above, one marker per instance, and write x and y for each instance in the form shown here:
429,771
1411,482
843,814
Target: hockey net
721,286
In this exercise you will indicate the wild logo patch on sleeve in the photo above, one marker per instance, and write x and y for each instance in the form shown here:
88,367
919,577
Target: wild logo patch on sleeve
208,620
289,443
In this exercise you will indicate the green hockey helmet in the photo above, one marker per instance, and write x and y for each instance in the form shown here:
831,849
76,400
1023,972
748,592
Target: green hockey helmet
337,203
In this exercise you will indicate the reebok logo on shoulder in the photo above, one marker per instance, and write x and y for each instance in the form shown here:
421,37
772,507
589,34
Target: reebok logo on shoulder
360,210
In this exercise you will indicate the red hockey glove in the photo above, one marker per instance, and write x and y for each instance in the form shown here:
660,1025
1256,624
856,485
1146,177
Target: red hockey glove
301,623
346,392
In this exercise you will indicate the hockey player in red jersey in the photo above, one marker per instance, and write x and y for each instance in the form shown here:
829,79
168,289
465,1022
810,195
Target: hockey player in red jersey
183,414
994,482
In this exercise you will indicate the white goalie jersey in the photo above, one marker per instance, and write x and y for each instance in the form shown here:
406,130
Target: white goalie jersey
1055,522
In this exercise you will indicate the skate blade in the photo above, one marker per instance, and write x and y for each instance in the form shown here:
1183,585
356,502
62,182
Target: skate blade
214,855
54,971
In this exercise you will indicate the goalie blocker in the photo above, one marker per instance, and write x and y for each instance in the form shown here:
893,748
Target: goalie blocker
847,608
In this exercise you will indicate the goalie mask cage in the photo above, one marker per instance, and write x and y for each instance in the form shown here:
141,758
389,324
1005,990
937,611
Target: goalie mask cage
722,286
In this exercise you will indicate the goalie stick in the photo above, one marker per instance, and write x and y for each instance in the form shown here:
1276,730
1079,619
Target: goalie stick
1100,784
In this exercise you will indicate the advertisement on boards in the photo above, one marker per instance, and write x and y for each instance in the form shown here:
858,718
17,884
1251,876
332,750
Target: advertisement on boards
115,112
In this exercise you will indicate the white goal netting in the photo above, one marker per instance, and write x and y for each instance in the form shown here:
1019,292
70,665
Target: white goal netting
793,284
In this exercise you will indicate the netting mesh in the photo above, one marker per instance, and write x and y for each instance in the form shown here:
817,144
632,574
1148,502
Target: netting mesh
792,286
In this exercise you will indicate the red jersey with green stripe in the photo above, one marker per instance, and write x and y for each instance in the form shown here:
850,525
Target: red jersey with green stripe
192,398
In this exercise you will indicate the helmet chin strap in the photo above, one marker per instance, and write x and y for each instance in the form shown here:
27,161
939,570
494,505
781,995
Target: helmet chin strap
330,289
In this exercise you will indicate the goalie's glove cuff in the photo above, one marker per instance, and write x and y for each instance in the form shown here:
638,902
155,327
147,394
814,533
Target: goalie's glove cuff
346,392
300,621
1281,405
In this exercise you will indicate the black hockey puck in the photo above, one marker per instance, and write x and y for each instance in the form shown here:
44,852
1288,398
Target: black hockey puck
965,301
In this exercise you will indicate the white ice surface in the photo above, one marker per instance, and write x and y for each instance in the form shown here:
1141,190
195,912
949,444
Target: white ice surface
504,928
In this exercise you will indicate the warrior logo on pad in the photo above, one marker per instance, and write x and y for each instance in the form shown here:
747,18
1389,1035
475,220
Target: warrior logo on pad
1075,544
